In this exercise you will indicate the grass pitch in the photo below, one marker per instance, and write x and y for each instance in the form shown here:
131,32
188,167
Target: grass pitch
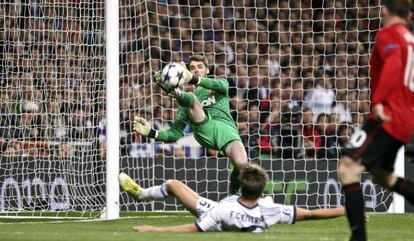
380,227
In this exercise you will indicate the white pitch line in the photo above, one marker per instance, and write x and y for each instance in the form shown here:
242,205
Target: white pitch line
80,220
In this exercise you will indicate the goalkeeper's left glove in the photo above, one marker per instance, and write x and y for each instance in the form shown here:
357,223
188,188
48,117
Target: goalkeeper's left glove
190,77
144,128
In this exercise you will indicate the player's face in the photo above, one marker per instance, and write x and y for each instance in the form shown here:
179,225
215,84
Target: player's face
198,68
384,12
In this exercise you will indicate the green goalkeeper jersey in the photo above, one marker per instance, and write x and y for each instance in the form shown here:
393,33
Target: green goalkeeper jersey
213,95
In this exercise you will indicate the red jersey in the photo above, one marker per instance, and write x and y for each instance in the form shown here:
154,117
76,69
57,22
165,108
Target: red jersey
392,79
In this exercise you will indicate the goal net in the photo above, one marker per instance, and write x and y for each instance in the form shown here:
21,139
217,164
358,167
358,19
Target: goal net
299,85
52,89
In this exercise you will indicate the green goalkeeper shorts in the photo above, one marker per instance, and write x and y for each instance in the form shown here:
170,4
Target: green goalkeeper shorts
215,134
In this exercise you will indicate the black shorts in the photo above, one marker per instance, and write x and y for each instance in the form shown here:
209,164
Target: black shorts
376,148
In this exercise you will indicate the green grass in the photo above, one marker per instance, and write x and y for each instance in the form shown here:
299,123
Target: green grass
380,227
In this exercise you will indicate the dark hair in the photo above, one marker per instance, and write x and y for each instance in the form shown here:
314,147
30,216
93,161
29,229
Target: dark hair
342,127
322,115
199,58
400,8
252,181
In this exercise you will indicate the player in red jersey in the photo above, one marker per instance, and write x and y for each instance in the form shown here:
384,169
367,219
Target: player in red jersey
391,122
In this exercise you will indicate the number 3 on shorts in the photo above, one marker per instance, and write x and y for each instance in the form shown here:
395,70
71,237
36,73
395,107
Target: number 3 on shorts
358,138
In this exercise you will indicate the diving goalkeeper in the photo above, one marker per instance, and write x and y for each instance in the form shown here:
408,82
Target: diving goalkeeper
207,111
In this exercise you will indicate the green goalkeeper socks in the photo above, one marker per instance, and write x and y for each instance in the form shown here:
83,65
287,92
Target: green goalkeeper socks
185,99
234,181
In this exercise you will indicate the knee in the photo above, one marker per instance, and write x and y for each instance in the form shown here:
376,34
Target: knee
343,165
240,160
171,184
342,171
349,170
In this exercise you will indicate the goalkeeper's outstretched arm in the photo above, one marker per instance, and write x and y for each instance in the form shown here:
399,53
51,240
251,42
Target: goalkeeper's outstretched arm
219,85
173,134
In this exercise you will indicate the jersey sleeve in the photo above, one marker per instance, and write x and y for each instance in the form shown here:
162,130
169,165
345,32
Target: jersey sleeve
210,221
277,213
387,45
177,128
392,70
218,85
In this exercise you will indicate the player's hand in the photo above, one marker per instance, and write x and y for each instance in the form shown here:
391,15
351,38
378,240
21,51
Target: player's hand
378,111
188,75
157,76
144,228
143,127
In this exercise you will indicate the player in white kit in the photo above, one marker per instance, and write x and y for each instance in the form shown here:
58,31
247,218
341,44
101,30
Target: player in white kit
247,212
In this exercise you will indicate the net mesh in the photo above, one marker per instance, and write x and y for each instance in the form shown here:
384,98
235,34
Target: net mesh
299,86
52,62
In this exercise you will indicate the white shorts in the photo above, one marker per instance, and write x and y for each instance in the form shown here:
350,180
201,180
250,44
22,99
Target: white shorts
204,205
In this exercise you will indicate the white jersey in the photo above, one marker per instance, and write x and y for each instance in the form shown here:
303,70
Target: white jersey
231,215
319,100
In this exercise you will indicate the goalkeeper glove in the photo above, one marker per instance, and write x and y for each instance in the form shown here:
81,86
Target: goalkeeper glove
158,79
143,127
190,77
158,76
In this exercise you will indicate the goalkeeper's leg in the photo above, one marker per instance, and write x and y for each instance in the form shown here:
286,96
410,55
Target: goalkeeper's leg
237,154
234,181
189,101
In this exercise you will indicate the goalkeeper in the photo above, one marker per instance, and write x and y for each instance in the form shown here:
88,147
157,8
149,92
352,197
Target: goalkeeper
207,111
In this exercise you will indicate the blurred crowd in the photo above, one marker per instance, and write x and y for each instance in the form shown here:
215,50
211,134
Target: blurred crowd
52,76
298,70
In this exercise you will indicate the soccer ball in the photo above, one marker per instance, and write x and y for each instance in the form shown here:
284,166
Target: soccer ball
173,75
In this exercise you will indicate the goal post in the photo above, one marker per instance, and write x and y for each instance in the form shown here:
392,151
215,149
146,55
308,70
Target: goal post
112,109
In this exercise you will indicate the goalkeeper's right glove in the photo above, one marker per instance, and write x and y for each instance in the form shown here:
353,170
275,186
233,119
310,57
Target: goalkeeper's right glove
143,127
158,76
158,79
190,77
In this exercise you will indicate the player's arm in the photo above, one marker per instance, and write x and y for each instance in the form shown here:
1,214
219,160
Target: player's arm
392,69
304,214
171,135
185,228
176,130
218,85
